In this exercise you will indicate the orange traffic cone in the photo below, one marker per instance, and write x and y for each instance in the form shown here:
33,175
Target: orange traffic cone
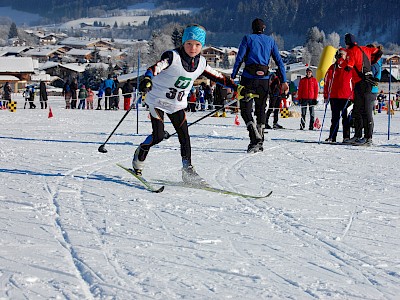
50,113
237,122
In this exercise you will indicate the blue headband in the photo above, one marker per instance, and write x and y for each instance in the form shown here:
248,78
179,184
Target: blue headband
194,33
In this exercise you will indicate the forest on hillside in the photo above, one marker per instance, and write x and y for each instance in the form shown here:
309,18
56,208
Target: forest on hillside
228,20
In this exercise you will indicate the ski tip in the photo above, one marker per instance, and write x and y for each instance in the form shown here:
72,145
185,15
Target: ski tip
159,190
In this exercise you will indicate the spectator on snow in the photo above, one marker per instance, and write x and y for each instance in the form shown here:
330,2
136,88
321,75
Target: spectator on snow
43,95
108,86
114,104
27,95
32,97
67,94
381,99
127,90
192,100
255,50
274,101
209,96
82,95
6,94
74,95
338,90
100,95
307,95
89,98
376,70
359,61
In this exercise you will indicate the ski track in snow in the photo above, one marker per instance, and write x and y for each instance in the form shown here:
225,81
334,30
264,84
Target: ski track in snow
87,230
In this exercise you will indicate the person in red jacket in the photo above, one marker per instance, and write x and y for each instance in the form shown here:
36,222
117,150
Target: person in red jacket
359,61
338,90
307,95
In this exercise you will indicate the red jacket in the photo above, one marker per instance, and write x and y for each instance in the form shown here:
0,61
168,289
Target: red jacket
338,82
355,59
308,88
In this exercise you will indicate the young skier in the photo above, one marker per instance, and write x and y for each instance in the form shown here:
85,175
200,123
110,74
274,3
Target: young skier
167,84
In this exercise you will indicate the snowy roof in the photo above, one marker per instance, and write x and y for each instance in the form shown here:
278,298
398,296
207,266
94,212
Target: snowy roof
229,49
97,65
297,67
112,53
43,51
79,52
8,78
80,68
41,77
133,75
394,72
14,50
16,64
48,65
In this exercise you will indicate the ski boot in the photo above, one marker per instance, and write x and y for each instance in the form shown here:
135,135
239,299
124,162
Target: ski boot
190,176
138,164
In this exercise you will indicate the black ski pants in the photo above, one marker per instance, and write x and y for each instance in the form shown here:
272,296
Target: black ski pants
273,108
339,109
363,110
178,120
261,88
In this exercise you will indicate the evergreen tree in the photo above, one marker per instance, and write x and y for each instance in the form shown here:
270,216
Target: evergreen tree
13,33
115,24
176,37
315,44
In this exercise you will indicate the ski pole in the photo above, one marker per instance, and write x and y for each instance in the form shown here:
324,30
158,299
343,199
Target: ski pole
167,135
388,110
102,148
137,91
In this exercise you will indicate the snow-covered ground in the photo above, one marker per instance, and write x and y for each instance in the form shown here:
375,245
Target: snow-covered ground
75,226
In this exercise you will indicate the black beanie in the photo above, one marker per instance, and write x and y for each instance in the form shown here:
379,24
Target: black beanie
258,26
350,39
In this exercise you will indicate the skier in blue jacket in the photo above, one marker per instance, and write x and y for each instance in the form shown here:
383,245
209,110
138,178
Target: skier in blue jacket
255,51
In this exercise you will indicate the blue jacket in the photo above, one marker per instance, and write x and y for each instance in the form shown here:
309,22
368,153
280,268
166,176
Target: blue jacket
108,83
258,49
377,73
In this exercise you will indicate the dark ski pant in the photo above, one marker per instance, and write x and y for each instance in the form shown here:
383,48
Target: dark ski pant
339,109
261,88
107,98
274,104
363,110
43,104
178,120
311,104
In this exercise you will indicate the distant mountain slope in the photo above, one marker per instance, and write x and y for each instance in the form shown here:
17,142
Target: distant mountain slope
228,20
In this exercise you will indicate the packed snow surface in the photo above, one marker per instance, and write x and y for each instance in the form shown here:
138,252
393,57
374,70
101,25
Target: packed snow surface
73,225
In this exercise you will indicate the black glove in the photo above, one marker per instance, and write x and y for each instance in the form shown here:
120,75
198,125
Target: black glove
145,85
347,68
